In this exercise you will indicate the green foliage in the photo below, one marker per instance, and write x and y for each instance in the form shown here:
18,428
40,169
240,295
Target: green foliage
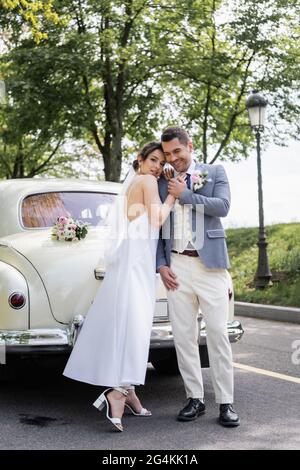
34,12
284,259
228,49
115,73
35,120
81,231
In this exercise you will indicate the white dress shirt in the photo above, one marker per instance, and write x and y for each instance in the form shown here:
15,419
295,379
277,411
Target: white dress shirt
182,222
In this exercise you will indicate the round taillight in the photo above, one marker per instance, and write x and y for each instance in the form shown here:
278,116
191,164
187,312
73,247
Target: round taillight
17,300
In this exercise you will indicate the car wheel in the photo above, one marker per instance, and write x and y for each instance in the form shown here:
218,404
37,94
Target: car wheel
7,374
204,357
167,366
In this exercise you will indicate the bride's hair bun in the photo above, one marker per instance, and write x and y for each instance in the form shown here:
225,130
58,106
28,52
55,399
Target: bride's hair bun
135,165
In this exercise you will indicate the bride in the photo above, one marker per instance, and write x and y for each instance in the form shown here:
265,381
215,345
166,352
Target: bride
112,347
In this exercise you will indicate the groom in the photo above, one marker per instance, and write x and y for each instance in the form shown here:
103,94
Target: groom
194,274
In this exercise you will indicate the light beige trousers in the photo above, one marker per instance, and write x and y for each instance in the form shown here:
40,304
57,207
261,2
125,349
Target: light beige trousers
207,288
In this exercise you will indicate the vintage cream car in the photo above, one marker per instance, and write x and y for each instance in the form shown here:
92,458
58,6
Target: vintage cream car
47,286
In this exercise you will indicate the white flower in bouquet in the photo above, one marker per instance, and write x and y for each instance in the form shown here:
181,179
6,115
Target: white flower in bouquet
68,229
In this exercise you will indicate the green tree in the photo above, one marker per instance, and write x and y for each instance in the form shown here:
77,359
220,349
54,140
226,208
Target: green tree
228,49
118,72
34,120
117,90
101,67
34,13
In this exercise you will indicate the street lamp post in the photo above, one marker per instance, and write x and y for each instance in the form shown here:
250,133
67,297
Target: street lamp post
2,92
256,105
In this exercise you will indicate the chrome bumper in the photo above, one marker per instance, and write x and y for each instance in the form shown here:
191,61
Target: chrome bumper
40,341
162,336
61,340
234,329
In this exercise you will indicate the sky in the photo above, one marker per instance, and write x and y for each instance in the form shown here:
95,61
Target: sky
281,187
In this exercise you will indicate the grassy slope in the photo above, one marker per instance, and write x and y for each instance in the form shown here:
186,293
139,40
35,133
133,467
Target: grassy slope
284,260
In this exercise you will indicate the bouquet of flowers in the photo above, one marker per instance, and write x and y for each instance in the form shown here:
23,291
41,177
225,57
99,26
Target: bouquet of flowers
68,229
199,179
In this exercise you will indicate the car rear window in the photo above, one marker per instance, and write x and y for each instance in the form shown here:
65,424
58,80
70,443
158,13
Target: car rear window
42,210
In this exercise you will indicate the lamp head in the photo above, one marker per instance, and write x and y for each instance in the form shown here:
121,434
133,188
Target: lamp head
256,105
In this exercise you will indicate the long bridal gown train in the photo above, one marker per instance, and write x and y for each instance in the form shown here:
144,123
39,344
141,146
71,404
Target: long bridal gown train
112,347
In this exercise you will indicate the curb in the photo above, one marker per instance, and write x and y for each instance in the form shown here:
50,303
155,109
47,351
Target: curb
267,312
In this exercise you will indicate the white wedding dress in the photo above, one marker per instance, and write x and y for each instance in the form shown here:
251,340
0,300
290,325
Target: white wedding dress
112,347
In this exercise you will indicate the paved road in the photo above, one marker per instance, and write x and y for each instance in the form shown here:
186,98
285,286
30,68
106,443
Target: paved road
56,414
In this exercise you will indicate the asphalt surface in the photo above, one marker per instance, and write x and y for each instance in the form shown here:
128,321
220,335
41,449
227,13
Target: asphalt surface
43,410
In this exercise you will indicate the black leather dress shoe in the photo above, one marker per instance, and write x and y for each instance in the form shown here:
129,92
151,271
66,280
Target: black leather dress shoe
192,410
228,417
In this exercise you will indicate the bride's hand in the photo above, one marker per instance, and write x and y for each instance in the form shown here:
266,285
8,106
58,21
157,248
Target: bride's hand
168,172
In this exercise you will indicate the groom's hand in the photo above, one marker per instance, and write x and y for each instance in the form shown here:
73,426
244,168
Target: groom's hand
176,187
168,278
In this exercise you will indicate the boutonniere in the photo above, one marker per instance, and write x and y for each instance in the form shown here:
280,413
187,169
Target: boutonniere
199,179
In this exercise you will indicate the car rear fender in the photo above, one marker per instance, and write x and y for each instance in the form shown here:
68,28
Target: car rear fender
12,281
39,310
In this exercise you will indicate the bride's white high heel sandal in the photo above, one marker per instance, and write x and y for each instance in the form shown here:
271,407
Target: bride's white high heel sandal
102,401
143,412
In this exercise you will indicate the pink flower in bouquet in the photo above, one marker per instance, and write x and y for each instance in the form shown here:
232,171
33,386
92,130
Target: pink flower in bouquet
68,229
62,220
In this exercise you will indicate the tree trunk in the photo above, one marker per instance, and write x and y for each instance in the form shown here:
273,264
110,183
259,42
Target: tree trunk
18,171
115,82
112,153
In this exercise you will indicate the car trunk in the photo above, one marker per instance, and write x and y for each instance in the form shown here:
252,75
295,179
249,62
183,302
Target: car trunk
66,269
